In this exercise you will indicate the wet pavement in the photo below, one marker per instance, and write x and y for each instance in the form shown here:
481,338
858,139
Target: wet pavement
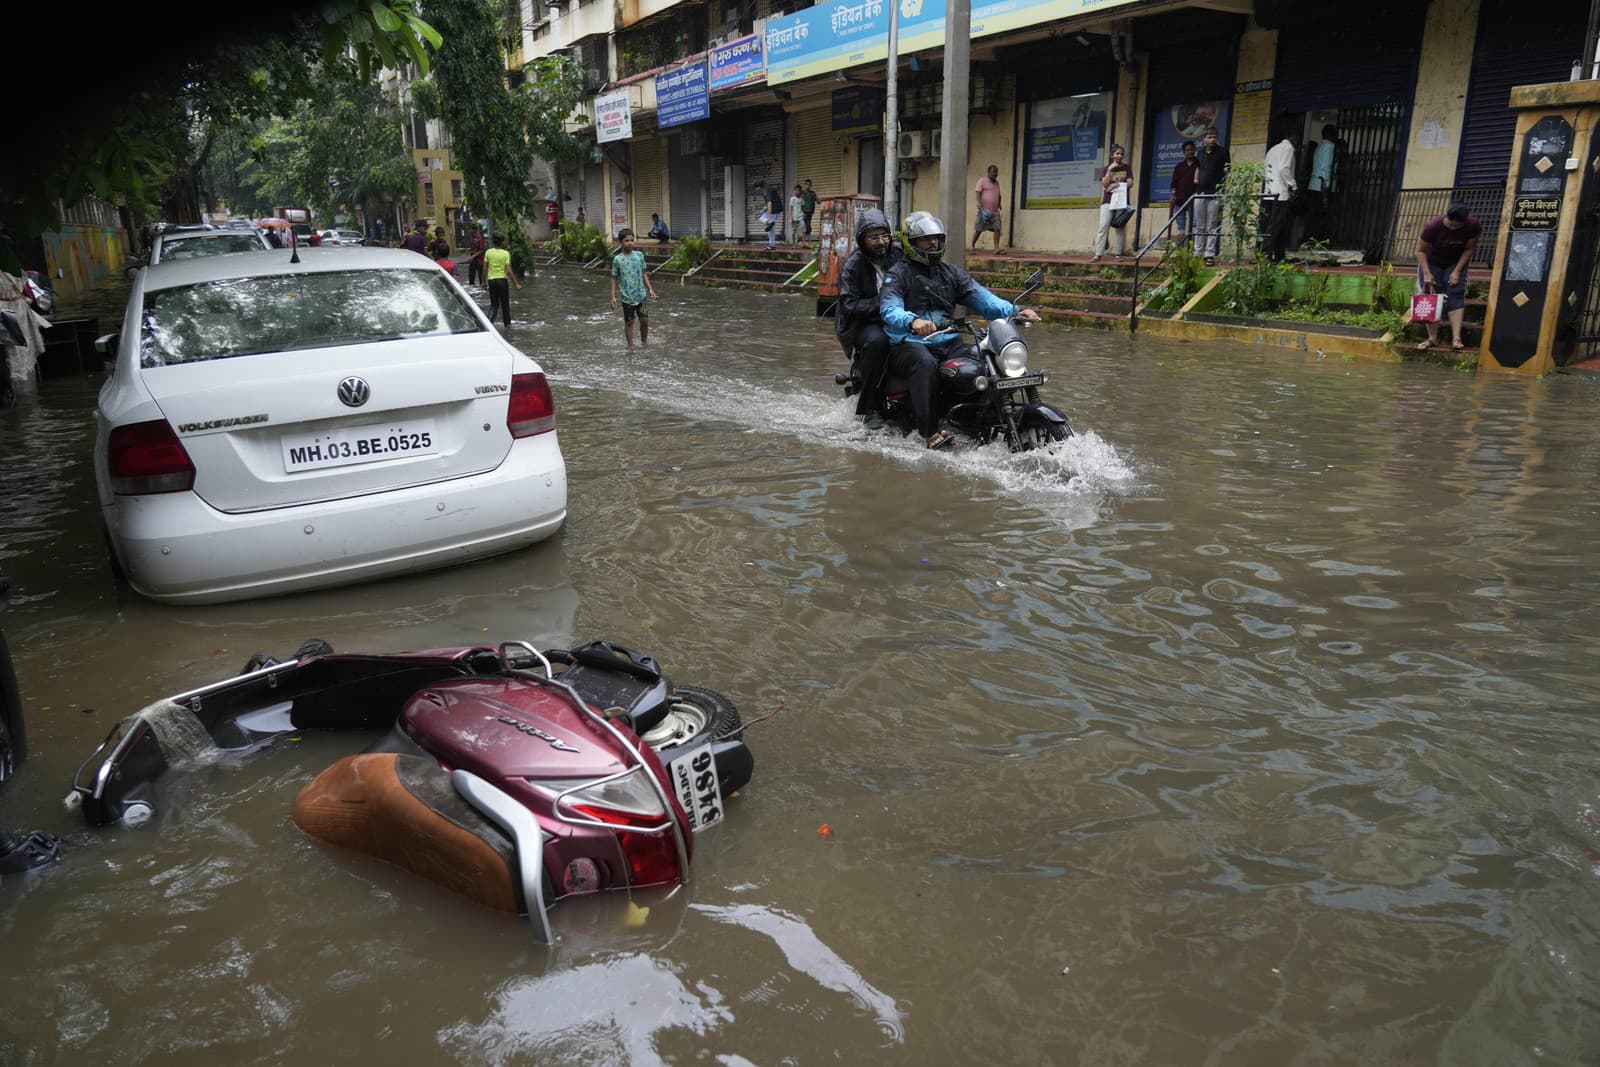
1254,726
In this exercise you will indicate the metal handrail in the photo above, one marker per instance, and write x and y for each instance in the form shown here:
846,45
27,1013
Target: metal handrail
1133,306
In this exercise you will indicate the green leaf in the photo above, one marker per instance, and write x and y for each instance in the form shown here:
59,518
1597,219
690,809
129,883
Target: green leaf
386,19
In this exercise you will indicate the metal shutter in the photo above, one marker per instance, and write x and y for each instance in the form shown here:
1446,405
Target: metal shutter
1357,52
1512,49
1194,55
685,190
646,180
817,152
596,204
763,154
717,224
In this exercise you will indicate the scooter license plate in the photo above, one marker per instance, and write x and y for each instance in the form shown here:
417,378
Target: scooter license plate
694,780
1022,381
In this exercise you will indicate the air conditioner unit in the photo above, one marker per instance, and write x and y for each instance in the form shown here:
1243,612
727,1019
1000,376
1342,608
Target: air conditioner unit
937,145
593,79
913,144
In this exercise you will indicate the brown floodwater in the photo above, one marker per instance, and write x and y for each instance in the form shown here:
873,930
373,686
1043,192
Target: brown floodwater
1255,726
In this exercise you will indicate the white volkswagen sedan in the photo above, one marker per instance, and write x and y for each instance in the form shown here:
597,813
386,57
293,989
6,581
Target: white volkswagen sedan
273,426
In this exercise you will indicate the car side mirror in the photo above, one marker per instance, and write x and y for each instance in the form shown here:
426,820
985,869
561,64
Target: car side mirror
106,344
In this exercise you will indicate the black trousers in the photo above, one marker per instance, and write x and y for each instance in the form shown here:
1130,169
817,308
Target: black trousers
870,346
1277,229
500,299
918,364
474,271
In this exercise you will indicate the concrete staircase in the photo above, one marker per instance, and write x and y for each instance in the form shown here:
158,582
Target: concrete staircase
755,267
1076,292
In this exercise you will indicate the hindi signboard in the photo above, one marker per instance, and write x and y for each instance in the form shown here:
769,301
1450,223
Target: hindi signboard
737,63
681,96
613,120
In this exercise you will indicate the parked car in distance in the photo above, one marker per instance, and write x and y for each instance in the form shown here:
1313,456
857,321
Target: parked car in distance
191,244
342,238
275,426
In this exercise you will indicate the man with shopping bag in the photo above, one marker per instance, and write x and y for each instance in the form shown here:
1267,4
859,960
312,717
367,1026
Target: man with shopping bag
1444,249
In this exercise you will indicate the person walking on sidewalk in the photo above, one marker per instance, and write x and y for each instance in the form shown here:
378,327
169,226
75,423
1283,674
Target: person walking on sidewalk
988,218
1211,167
808,205
771,211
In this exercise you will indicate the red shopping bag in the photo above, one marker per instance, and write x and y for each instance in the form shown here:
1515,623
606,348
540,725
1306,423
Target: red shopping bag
1426,307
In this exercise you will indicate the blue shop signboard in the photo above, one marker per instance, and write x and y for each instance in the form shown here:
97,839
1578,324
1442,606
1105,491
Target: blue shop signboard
858,109
737,63
682,96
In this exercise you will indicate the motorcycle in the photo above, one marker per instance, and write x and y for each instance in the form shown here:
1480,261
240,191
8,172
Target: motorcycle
987,393
512,776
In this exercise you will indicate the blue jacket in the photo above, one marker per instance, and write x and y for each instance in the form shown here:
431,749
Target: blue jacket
947,279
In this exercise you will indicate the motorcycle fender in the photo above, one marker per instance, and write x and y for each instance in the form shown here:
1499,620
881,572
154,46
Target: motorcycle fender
1046,412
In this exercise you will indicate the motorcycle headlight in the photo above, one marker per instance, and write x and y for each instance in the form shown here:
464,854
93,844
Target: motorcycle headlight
1014,359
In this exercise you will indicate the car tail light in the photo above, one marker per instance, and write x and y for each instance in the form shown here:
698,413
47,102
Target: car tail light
532,409
147,457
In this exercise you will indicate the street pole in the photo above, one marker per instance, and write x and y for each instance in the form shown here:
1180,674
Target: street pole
953,128
891,123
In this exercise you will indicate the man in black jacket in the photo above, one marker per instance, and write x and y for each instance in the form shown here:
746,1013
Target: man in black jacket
856,318
1213,159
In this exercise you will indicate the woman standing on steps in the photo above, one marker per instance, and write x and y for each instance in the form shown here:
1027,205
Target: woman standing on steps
1114,174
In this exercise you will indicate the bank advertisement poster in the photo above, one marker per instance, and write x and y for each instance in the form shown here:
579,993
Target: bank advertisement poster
847,33
1066,147
1173,126
681,96
613,121
737,63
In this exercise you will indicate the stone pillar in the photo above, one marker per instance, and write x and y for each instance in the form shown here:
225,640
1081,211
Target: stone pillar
1544,254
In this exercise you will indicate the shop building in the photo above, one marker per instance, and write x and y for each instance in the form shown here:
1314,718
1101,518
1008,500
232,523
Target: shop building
717,96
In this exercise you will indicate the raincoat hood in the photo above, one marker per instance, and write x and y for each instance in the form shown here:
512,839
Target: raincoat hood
869,219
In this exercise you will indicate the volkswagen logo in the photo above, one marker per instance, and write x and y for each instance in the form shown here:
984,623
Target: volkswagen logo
354,392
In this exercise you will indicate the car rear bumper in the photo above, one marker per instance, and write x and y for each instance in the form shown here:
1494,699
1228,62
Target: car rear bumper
174,547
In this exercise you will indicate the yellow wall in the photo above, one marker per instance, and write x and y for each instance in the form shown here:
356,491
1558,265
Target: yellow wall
1258,56
1440,105
434,214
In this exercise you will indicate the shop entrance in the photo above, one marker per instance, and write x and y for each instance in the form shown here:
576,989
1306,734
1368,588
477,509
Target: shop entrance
1366,167
869,167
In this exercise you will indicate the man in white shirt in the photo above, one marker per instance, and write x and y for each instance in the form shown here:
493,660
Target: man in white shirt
1280,187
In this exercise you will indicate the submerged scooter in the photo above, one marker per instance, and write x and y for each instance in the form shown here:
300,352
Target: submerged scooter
987,393
512,776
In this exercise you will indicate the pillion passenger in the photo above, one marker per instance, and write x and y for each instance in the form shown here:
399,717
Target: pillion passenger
856,317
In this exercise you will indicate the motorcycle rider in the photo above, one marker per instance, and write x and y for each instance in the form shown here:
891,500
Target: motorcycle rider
918,327
856,318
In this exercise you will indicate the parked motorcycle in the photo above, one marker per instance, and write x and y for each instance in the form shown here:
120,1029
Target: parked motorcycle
986,394
512,776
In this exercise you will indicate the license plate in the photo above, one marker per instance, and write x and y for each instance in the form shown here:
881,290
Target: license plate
1022,381
357,444
694,780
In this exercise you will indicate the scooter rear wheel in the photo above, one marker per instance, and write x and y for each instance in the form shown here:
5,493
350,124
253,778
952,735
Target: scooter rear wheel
693,712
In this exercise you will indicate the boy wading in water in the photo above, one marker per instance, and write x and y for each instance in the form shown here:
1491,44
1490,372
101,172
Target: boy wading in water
637,292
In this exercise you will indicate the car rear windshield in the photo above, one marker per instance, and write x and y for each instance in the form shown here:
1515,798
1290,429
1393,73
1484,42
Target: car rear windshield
289,312
212,244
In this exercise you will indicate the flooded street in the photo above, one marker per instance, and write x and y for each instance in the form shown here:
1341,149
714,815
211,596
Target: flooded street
1255,726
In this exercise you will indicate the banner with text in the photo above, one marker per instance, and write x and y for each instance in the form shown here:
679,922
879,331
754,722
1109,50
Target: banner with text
846,33
737,63
613,121
1066,147
681,96
858,109
1173,126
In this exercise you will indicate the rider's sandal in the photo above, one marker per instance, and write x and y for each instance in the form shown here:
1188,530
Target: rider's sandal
940,438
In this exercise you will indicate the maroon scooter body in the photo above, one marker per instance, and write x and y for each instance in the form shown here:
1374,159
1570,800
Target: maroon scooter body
514,734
